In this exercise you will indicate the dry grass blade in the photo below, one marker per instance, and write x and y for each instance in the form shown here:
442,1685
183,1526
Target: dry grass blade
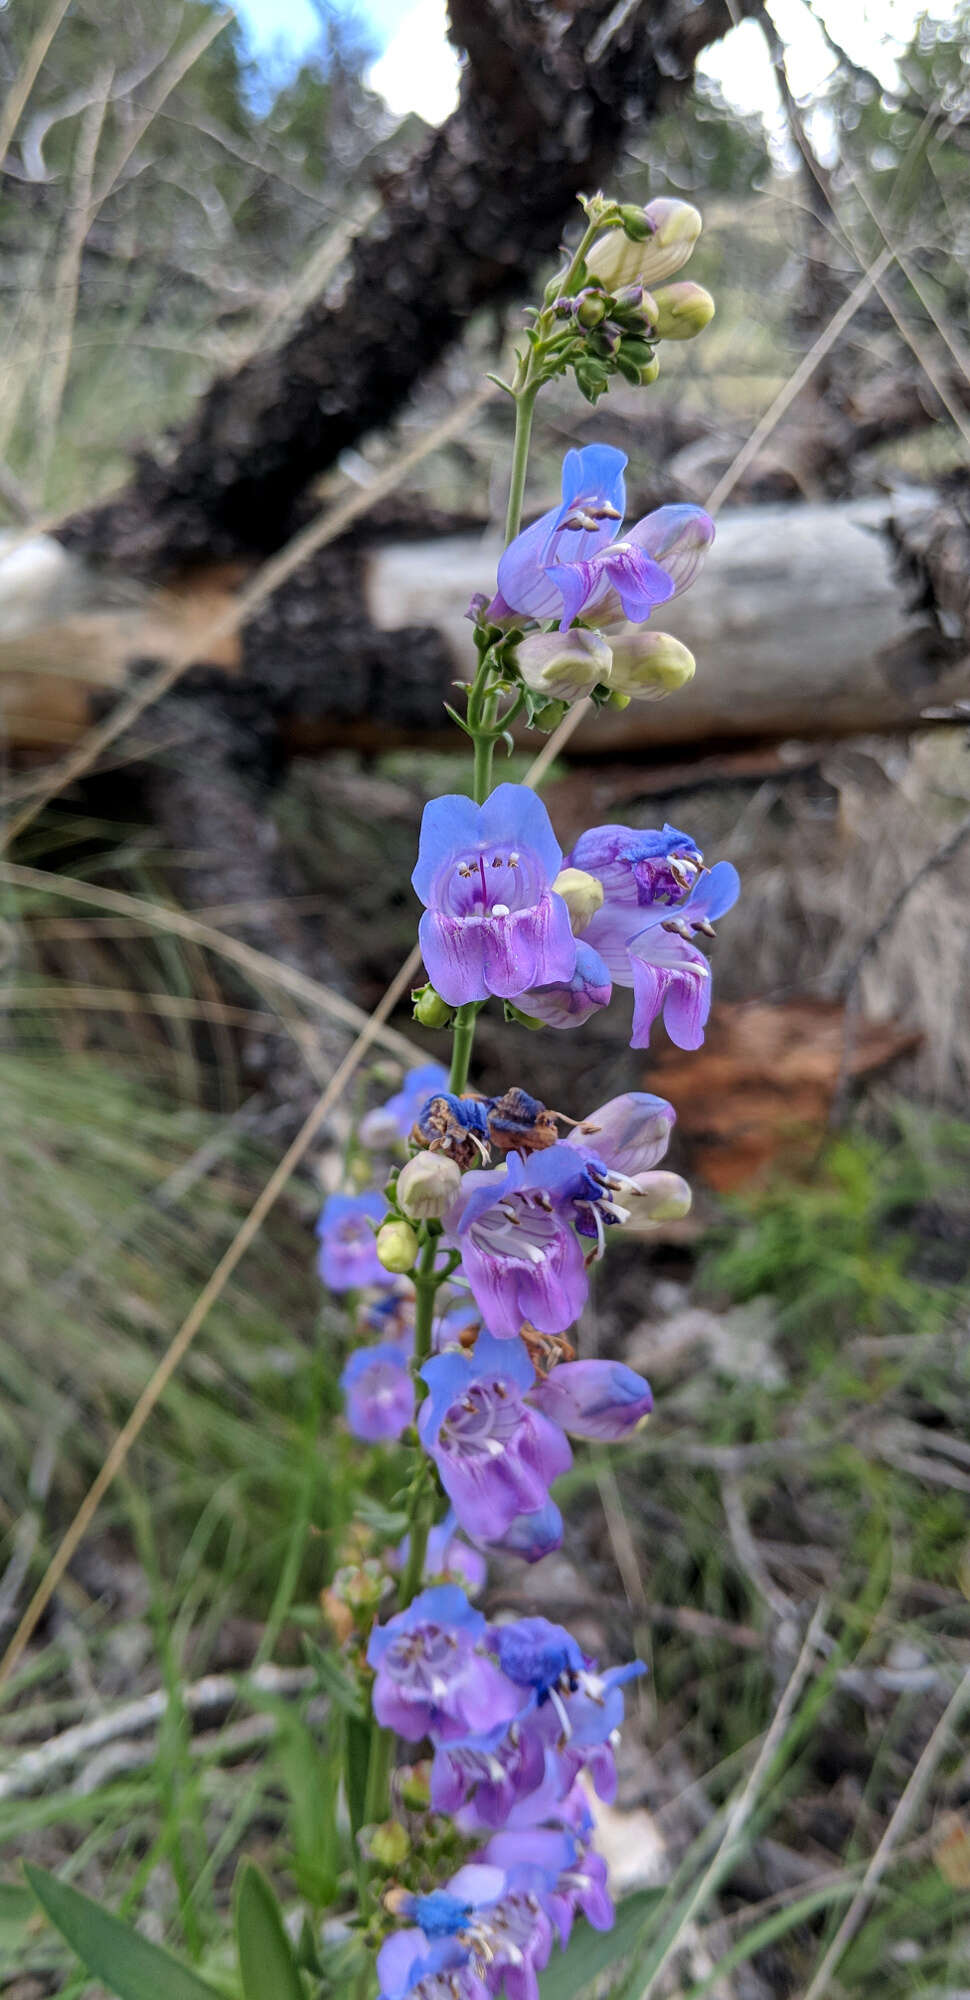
909,1804
170,76
21,89
263,970
325,528
744,1805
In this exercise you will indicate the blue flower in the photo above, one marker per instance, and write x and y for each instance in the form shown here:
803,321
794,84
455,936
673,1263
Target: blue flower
378,1393
496,1457
348,1257
492,923
570,563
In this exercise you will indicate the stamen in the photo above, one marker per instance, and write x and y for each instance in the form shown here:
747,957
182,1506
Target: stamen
500,910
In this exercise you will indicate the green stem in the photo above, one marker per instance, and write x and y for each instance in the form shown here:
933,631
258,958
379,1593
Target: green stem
525,402
463,1038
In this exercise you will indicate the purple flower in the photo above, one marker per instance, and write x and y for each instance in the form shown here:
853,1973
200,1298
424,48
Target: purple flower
639,866
518,1252
379,1393
488,1919
584,1706
390,1122
433,1676
484,873
347,1257
567,1003
629,1134
593,1399
653,953
496,1457
570,562
579,1880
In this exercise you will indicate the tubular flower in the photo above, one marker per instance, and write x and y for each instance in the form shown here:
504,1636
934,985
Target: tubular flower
594,1399
378,1393
492,923
433,1676
496,1457
570,564
518,1251
652,950
347,1256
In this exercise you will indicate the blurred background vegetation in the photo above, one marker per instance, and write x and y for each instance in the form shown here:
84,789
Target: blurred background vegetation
171,205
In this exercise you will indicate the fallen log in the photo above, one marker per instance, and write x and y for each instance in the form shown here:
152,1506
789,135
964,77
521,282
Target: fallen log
819,620
808,620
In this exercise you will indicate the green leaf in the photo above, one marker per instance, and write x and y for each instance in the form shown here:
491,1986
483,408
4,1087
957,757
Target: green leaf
344,1691
267,1966
124,1961
357,1741
591,1953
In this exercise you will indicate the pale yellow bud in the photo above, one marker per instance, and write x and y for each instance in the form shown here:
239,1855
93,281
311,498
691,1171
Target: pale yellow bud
648,664
684,309
563,665
615,260
427,1186
397,1246
582,895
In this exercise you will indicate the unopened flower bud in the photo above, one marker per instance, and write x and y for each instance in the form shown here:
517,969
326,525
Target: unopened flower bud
684,311
388,1844
430,1011
582,895
618,700
338,1615
616,259
563,665
590,309
648,664
427,1186
397,1246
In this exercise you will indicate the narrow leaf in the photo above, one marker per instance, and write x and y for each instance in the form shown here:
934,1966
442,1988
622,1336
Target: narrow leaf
123,1960
267,1966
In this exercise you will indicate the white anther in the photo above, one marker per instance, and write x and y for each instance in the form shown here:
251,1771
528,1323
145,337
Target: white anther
500,910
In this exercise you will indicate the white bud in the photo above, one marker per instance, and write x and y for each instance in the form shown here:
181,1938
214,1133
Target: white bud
616,260
427,1186
563,665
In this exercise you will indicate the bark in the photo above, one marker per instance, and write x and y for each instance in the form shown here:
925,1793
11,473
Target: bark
547,98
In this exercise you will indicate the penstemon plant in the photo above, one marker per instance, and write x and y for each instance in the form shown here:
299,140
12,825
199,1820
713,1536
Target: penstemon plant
475,1258
465,1264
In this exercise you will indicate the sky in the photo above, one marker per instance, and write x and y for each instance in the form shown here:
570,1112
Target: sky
417,69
